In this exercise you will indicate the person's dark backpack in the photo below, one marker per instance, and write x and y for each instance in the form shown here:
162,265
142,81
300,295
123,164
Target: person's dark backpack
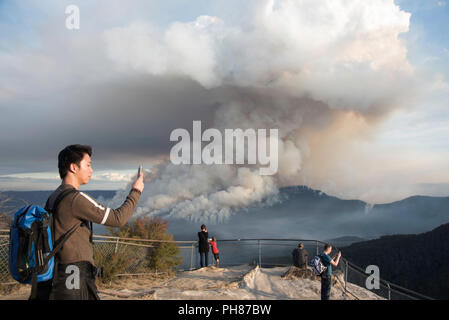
317,265
31,243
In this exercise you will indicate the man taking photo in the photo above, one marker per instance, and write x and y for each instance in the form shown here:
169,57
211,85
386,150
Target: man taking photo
326,276
74,275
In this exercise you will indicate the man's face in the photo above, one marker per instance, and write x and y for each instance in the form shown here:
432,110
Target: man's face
84,171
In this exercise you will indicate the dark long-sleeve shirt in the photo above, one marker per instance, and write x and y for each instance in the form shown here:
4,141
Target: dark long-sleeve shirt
300,257
203,243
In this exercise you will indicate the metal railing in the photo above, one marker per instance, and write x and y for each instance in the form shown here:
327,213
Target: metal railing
4,252
277,253
138,250
261,252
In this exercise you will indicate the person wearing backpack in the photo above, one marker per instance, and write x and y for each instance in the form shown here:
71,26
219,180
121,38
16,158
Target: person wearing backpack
74,273
326,275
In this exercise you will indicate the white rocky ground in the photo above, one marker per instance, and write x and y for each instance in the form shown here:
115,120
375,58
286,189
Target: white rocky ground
233,283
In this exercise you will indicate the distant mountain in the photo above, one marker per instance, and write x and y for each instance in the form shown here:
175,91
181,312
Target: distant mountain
299,213
415,261
414,215
305,213
345,241
14,200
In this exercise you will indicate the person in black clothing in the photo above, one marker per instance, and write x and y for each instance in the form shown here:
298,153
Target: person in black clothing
300,256
203,246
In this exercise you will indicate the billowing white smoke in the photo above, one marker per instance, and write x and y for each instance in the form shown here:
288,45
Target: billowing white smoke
345,54
206,192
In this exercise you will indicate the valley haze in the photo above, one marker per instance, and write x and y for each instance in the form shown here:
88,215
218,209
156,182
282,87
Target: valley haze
297,212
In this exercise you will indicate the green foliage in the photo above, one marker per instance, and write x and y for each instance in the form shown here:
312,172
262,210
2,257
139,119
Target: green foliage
161,256
112,263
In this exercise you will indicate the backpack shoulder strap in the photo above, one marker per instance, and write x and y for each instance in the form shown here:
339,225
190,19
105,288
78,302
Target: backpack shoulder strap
58,200
55,207
66,236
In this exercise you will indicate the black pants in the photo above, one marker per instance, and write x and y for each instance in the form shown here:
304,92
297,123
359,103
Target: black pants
204,259
74,281
326,284
43,290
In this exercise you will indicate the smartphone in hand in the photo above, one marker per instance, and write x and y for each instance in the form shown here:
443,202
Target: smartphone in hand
139,170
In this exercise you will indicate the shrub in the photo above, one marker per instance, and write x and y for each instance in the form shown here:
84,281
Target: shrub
111,263
162,256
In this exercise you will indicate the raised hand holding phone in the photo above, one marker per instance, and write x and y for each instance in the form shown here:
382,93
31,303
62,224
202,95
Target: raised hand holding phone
138,184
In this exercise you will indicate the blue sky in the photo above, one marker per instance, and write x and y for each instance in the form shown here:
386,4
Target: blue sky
429,29
428,49
40,63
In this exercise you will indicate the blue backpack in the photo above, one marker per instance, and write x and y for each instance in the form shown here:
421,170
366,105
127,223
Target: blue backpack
31,245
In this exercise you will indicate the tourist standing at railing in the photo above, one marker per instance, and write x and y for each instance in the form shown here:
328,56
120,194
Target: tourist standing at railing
203,246
326,276
215,252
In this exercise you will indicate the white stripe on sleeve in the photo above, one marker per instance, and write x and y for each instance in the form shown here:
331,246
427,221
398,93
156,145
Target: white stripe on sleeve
92,201
106,215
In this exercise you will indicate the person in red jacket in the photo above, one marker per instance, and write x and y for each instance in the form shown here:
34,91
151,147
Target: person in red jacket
215,251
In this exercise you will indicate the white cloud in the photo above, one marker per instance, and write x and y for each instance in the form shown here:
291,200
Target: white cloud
439,83
101,175
184,49
431,59
113,176
33,175
332,50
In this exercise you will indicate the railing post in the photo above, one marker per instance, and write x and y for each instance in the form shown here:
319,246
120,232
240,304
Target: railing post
196,257
191,257
346,276
116,245
260,255
389,291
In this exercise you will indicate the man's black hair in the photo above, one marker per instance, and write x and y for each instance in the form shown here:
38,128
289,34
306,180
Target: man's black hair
327,246
71,154
203,226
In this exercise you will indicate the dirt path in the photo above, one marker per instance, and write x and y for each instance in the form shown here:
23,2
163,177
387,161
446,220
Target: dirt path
234,283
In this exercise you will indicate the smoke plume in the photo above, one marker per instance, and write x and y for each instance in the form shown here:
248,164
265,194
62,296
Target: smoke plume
322,72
